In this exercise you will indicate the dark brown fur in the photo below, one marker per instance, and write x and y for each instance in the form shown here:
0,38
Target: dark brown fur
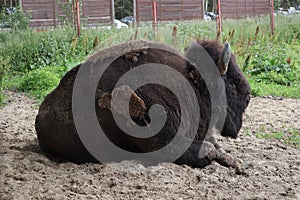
57,133
237,90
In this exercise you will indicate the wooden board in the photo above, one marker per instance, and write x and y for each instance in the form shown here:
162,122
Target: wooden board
53,12
238,9
168,10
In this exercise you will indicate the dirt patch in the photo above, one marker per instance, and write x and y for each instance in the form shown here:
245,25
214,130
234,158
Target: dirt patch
273,171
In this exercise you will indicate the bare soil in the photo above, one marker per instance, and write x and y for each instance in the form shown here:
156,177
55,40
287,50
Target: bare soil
273,170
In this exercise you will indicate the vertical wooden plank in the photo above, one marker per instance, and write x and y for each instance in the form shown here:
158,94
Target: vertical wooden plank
238,9
54,13
272,16
160,10
134,11
245,7
74,14
137,19
78,17
202,9
254,6
181,9
219,19
112,12
83,8
154,12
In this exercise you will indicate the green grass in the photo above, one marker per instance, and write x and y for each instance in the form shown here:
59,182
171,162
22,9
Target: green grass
270,62
271,89
37,83
291,136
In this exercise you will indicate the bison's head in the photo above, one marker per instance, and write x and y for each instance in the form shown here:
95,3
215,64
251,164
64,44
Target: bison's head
236,85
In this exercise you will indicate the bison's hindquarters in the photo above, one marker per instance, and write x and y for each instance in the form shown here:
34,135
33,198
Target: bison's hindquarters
55,126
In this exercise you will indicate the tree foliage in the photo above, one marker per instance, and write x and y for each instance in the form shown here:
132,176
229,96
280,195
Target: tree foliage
14,18
123,8
286,3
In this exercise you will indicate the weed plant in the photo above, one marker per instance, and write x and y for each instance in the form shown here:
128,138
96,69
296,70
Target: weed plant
271,62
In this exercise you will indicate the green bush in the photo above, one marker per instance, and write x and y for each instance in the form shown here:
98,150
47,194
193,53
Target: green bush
30,50
272,66
4,68
17,20
38,83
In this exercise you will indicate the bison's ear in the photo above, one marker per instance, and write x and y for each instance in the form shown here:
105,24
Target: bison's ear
224,59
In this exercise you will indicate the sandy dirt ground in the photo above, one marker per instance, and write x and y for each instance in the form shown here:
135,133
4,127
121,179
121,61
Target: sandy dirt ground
273,170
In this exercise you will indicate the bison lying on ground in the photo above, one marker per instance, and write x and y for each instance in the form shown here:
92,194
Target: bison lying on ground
57,133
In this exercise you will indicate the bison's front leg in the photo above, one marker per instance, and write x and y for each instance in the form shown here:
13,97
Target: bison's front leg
202,153
195,157
223,157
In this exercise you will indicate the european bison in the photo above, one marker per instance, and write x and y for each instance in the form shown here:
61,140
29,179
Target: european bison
57,133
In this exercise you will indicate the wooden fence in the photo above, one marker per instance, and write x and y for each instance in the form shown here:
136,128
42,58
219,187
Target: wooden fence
55,12
239,9
169,10
8,3
95,12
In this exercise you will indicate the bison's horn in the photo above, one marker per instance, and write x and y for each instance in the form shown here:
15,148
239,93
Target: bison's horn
224,59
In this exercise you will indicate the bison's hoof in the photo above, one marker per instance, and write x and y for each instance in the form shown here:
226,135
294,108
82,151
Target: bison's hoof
237,162
228,160
242,168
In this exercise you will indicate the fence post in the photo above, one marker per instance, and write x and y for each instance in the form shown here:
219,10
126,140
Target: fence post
112,15
154,12
74,14
135,12
203,7
54,13
219,19
78,16
272,16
